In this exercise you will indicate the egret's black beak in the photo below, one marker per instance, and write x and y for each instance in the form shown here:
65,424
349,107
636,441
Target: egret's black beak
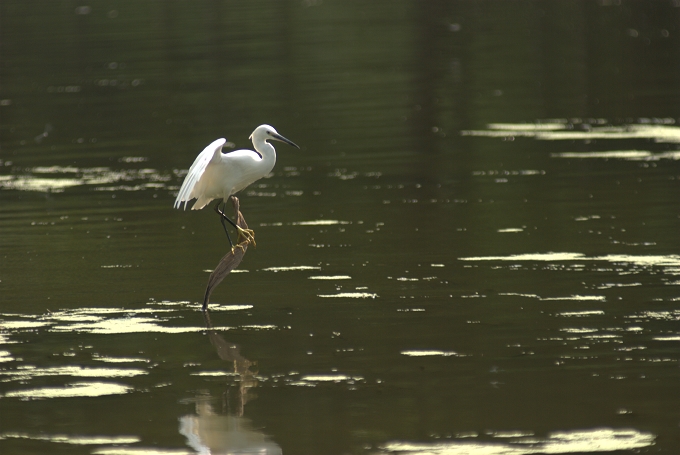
278,137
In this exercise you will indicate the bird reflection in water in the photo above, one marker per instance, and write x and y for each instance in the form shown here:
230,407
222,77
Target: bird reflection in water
231,352
227,431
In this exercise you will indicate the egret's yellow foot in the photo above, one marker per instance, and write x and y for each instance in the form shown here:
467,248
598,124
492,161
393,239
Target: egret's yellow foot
247,234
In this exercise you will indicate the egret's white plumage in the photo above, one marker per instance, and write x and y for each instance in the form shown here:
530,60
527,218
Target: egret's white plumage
217,175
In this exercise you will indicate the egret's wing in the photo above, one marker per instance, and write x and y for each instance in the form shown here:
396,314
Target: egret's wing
196,171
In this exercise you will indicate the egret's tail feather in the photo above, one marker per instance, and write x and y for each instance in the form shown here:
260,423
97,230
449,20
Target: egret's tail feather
201,202
178,204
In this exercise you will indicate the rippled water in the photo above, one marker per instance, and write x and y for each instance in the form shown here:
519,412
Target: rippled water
475,251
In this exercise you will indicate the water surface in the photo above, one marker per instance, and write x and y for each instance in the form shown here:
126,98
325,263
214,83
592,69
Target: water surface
475,251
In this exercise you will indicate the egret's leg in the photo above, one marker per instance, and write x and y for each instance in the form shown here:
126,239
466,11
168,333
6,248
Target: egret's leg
222,217
247,234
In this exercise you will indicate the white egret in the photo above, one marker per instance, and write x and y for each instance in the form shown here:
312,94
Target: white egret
218,175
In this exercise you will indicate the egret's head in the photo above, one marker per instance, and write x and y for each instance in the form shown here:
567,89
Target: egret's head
266,132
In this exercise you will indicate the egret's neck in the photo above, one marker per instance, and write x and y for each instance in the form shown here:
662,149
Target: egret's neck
267,151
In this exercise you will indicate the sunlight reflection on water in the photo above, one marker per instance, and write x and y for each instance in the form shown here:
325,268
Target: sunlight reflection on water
587,441
79,389
113,320
100,177
74,439
631,155
27,372
350,295
291,268
591,129
639,260
431,353
330,278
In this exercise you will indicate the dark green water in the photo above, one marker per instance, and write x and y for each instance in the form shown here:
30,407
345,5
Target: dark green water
475,251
